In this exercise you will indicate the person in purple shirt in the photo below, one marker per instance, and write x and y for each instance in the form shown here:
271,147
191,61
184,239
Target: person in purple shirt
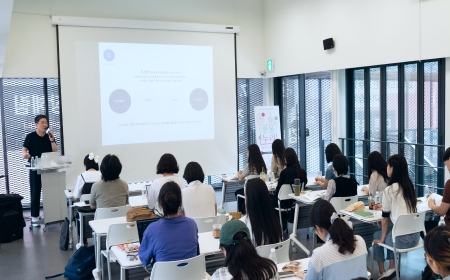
172,238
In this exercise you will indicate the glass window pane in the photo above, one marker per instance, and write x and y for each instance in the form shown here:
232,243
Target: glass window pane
318,119
392,109
431,114
359,122
290,112
375,114
410,116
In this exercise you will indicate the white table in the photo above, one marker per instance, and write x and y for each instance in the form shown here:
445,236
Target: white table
207,243
301,201
134,201
100,228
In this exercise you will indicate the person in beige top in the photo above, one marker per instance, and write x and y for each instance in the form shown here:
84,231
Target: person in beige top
110,191
278,162
378,180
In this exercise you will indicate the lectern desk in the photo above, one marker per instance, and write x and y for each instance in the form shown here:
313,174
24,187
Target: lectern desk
53,186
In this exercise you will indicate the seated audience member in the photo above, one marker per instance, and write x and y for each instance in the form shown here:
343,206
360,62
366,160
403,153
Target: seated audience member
172,238
444,208
343,256
292,171
437,251
378,179
330,151
277,165
86,179
399,198
255,165
242,262
342,185
199,200
111,191
262,222
168,167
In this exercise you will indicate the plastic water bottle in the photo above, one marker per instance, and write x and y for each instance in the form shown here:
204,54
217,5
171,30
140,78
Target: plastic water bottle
377,198
273,255
272,177
33,162
144,191
441,222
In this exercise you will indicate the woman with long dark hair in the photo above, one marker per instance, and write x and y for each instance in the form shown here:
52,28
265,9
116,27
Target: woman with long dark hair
399,198
277,164
242,262
261,220
330,151
172,238
292,171
437,251
377,168
344,253
444,208
255,164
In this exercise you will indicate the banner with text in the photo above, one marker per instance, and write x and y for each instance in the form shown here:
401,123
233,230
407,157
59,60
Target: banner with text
267,129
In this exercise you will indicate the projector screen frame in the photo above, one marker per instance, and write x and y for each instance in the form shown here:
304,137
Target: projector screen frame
60,95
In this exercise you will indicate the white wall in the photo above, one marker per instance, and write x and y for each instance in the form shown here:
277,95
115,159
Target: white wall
32,38
369,32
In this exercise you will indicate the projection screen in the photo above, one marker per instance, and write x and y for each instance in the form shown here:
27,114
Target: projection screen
141,93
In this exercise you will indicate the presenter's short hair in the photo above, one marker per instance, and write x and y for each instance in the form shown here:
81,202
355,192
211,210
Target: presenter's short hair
340,164
110,168
167,164
193,172
39,117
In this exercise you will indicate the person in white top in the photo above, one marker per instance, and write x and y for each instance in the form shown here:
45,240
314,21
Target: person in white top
168,167
199,200
262,222
378,179
91,175
399,198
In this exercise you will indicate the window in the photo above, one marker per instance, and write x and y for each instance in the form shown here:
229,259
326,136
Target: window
249,95
21,100
398,109
306,110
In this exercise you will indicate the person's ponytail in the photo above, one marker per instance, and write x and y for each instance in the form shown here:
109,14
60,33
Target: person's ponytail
324,215
170,198
342,235
243,262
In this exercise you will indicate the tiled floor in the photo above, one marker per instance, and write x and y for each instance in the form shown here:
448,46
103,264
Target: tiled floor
37,255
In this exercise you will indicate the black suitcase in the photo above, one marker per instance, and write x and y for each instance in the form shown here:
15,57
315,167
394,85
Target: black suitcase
11,218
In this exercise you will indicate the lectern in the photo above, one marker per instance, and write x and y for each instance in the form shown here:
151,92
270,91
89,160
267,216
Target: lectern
52,167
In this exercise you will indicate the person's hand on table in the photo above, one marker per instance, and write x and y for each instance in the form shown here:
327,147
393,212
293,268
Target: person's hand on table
378,241
431,202
301,274
365,189
377,207
26,156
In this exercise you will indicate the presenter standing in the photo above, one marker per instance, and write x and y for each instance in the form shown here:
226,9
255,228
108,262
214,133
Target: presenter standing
35,144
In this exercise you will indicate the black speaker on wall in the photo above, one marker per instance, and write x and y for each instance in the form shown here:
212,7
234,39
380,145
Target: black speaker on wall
328,44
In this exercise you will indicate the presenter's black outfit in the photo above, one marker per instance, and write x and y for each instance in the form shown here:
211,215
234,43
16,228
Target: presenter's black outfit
36,145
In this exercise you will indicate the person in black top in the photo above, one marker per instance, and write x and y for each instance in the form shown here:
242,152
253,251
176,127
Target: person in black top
35,144
292,171
342,185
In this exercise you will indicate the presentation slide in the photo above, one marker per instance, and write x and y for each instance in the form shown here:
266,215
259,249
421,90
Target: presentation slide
155,93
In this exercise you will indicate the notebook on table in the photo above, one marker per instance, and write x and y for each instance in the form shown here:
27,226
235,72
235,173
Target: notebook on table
364,214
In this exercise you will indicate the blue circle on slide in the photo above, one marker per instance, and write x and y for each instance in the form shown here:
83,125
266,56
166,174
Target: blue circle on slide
119,101
109,55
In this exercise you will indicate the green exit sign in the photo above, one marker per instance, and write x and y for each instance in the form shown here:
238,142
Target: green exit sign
270,65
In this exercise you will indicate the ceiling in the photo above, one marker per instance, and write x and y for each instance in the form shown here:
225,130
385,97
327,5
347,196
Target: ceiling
199,11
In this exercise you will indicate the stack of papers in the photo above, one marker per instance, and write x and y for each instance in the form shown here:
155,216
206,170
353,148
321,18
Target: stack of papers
311,197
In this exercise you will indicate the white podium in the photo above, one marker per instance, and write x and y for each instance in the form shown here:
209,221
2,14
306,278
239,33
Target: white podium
53,185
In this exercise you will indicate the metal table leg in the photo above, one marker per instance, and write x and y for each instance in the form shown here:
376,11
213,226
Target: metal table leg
223,194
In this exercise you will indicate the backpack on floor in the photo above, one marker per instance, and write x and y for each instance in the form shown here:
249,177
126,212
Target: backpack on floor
64,239
80,266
